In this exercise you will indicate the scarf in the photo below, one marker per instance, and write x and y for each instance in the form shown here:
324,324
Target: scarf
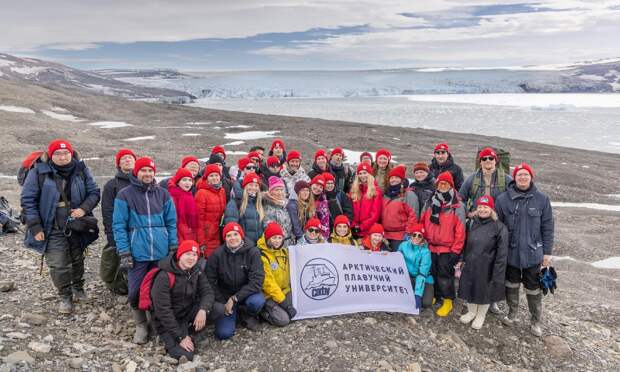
438,200
64,171
217,186
322,213
185,205
394,190
313,241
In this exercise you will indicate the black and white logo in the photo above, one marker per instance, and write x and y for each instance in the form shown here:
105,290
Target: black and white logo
319,279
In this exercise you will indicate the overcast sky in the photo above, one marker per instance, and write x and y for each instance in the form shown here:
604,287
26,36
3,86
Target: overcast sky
310,34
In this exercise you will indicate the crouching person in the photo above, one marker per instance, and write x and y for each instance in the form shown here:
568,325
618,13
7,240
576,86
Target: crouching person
181,300
236,274
278,308
418,260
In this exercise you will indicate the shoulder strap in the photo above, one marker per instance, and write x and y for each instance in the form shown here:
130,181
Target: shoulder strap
171,279
501,179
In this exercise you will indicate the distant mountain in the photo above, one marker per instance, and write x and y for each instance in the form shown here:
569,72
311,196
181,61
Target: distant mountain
57,75
138,73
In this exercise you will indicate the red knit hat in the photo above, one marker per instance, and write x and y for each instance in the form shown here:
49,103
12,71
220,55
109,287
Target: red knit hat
212,168
337,150
442,146
293,155
416,228
398,171
318,179
232,226
243,162
313,222
273,161
487,151
254,154
486,200
328,177
59,144
277,142
421,166
250,178
384,152
445,177
188,246
189,159
365,154
523,166
273,229
376,229
219,150
364,166
144,162
320,152
342,219
121,153
181,173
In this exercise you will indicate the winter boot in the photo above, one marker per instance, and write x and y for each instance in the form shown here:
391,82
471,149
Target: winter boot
480,315
470,315
534,303
250,321
141,336
66,305
445,308
512,300
79,295
494,309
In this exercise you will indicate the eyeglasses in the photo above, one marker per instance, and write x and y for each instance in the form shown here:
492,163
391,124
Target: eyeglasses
487,158
440,152
251,167
313,230
417,235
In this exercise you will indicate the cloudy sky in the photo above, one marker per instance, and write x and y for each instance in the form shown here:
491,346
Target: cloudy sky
310,34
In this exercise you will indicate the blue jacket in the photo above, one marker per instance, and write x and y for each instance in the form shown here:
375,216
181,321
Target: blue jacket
250,221
529,219
144,222
418,260
39,204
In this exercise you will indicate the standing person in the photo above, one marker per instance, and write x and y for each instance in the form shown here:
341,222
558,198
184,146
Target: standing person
272,168
278,309
341,233
301,209
58,189
339,202
444,222
312,233
320,164
145,231
528,215
227,182
278,150
423,184
211,204
366,157
321,204
444,162
180,307
400,206
375,240
484,262
381,169
367,201
244,167
192,164
247,208
114,278
489,180
293,173
275,207
235,272
341,171
418,260
180,189
259,151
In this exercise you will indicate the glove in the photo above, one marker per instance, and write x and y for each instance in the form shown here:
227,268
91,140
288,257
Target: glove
126,261
290,310
418,302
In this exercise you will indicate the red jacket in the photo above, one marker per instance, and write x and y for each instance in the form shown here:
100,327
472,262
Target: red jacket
449,235
187,213
211,205
397,214
367,212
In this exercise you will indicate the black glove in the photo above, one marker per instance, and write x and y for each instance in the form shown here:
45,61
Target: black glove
290,310
126,261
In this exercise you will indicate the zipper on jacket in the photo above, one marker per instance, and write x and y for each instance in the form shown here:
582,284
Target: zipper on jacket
148,212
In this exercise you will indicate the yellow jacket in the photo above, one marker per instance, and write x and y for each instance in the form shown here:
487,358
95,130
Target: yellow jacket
277,279
346,240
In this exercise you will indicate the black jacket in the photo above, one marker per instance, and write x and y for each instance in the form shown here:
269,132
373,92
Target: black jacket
448,166
172,307
111,188
240,274
344,177
315,171
339,203
424,190
485,255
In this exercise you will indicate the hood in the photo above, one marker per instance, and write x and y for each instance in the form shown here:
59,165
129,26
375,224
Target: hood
261,244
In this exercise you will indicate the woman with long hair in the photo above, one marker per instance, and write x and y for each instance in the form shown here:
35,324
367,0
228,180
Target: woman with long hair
247,209
301,209
367,201
381,169
180,189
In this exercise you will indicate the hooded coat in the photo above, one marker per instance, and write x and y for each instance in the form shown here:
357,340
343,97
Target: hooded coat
110,189
418,261
249,221
449,235
399,212
187,213
277,282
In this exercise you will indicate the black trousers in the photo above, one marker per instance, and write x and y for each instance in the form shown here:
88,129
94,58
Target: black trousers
442,268
528,276
65,259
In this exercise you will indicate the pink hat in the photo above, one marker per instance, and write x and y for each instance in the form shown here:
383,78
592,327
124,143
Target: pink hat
275,182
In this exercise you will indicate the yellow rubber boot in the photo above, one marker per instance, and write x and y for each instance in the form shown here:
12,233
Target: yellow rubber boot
445,308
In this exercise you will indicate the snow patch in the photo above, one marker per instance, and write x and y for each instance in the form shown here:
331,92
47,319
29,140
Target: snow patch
191,134
234,143
251,135
596,206
62,117
59,109
95,158
592,77
133,139
352,156
236,152
27,70
110,124
608,263
240,126
6,63
21,110
198,123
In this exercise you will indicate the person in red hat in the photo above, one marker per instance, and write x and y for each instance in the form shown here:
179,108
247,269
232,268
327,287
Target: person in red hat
293,173
489,179
483,266
278,309
211,204
342,172
341,233
312,233
320,165
246,208
180,311
219,150
382,167
235,272
58,190
443,161
271,168
418,260
423,184
278,149
321,204
180,189
375,240
400,207
366,157
124,161
528,215
192,164
367,201
339,202
444,222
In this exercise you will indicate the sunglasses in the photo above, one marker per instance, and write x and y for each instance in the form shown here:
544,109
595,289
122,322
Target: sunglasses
417,235
313,230
251,167
441,152
487,158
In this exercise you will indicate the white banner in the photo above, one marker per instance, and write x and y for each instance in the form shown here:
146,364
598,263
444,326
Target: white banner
332,279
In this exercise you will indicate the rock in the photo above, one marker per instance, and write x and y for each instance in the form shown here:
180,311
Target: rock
384,365
131,366
412,321
331,344
34,319
7,286
40,347
76,363
116,368
169,360
104,317
48,338
17,335
370,321
18,356
557,346
220,370
413,367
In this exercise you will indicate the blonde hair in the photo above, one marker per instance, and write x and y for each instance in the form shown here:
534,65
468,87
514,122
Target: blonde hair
305,208
259,204
385,182
371,192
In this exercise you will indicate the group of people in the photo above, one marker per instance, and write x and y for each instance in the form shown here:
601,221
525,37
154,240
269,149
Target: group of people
222,233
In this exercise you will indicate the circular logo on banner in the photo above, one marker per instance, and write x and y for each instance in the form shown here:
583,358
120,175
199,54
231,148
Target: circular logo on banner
319,279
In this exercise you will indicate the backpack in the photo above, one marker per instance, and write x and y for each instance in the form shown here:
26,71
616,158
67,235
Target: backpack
7,213
114,278
145,302
27,164
503,168
502,155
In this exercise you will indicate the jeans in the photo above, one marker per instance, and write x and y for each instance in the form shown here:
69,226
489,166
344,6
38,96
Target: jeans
225,327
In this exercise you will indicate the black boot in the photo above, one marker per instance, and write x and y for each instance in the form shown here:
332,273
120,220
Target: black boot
512,300
66,305
534,303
